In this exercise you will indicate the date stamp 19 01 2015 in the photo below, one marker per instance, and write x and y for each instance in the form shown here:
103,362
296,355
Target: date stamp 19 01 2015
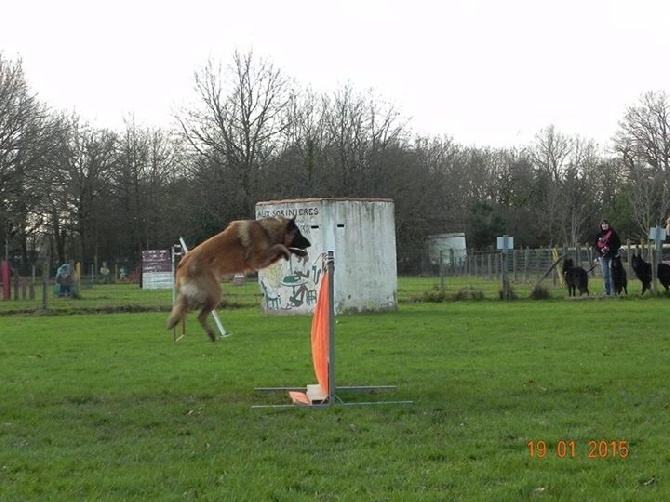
594,449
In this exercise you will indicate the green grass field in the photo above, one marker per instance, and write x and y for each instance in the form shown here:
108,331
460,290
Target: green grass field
107,406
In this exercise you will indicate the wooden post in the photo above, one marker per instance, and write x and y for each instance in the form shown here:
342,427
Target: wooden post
45,285
441,271
16,287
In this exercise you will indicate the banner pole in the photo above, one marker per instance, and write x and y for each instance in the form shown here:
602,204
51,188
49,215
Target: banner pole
331,327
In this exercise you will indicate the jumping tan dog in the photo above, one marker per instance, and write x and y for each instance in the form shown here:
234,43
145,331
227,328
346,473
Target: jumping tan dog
244,246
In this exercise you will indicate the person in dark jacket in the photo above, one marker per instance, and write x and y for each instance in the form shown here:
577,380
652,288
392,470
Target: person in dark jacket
607,244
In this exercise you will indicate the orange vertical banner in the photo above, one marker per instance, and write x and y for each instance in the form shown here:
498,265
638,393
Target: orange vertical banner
321,335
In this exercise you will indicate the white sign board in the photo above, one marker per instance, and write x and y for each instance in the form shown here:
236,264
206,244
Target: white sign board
156,269
505,242
657,234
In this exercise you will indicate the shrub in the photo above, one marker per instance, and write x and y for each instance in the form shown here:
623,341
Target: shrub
540,293
511,292
438,296
468,294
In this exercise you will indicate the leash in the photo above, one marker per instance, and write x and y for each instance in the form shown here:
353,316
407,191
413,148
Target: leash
597,263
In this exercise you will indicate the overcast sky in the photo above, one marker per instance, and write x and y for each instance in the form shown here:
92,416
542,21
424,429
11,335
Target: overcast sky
487,72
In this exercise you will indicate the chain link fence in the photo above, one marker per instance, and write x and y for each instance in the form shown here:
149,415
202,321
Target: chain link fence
465,274
518,273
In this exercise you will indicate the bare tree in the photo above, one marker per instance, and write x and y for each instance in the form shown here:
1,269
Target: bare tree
643,142
515,191
236,127
149,160
299,169
578,188
357,130
24,144
550,153
85,173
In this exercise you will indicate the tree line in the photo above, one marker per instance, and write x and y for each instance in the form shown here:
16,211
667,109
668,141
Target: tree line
69,190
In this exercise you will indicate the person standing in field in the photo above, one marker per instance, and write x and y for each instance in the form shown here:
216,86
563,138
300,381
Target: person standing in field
607,244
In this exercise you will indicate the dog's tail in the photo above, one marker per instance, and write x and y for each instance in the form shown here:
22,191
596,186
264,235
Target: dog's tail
179,311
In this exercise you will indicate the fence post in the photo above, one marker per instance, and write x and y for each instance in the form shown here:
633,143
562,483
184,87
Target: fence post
45,285
629,270
514,265
16,287
526,264
554,274
578,255
441,271
24,288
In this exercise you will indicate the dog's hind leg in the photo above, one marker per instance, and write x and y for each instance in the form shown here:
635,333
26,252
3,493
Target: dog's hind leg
202,319
212,290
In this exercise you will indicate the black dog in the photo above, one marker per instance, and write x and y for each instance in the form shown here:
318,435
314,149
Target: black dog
642,270
663,274
619,279
576,278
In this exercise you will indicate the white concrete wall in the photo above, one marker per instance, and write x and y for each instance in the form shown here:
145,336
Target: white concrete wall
361,233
